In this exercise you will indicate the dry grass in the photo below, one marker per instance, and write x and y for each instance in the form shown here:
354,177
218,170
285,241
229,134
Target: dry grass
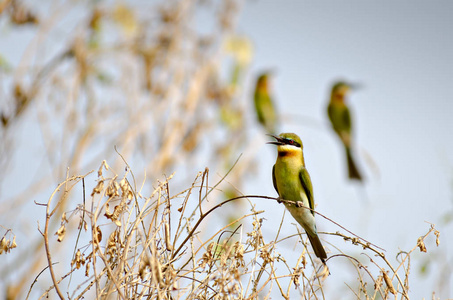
94,76
153,247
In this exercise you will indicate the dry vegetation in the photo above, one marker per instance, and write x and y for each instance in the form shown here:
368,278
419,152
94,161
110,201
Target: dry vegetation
131,246
170,97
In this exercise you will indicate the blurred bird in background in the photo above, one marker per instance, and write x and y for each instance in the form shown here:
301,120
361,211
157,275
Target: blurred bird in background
264,106
340,118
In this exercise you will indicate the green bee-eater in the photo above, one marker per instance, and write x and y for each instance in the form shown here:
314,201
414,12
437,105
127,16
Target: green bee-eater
264,105
292,182
340,118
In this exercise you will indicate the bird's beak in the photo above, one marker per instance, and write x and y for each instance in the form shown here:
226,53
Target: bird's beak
278,142
355,86
272,72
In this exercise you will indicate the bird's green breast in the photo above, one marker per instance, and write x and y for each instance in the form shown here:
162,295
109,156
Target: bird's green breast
287,170
339,116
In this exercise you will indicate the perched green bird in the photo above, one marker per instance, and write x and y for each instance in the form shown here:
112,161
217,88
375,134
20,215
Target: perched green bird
292,182
264,105
340,118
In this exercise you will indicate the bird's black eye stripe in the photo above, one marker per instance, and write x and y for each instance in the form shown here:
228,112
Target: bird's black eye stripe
292,142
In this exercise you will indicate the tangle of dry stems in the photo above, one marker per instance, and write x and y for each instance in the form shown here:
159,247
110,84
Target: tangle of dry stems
140,247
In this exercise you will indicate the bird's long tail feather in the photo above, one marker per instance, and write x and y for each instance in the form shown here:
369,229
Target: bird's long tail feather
317,247
352,167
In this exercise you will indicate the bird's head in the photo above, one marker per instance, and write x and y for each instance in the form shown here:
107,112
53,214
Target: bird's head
340,88
288,143
264,78
262,81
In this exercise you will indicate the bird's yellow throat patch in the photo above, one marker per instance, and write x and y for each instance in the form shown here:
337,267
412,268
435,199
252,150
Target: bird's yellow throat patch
287,150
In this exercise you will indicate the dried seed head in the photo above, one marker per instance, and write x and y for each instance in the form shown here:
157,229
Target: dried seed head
98,234
3,245
113,189
143,267
296,275
168,244
437,234
87,270
126,189
304,261
13,243
78,260
105,165
388,282
265,255
61,233
378,282
115,215
63,218
421,244
156,269
98,188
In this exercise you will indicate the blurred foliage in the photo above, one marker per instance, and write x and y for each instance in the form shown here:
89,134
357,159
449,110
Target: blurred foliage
158,80
141,78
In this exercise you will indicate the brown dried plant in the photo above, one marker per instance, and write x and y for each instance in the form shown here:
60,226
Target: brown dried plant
152,247
141,77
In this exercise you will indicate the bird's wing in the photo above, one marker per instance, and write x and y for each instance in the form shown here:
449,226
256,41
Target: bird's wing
274,181
339,117
330,112
257,101
306,184
346,119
